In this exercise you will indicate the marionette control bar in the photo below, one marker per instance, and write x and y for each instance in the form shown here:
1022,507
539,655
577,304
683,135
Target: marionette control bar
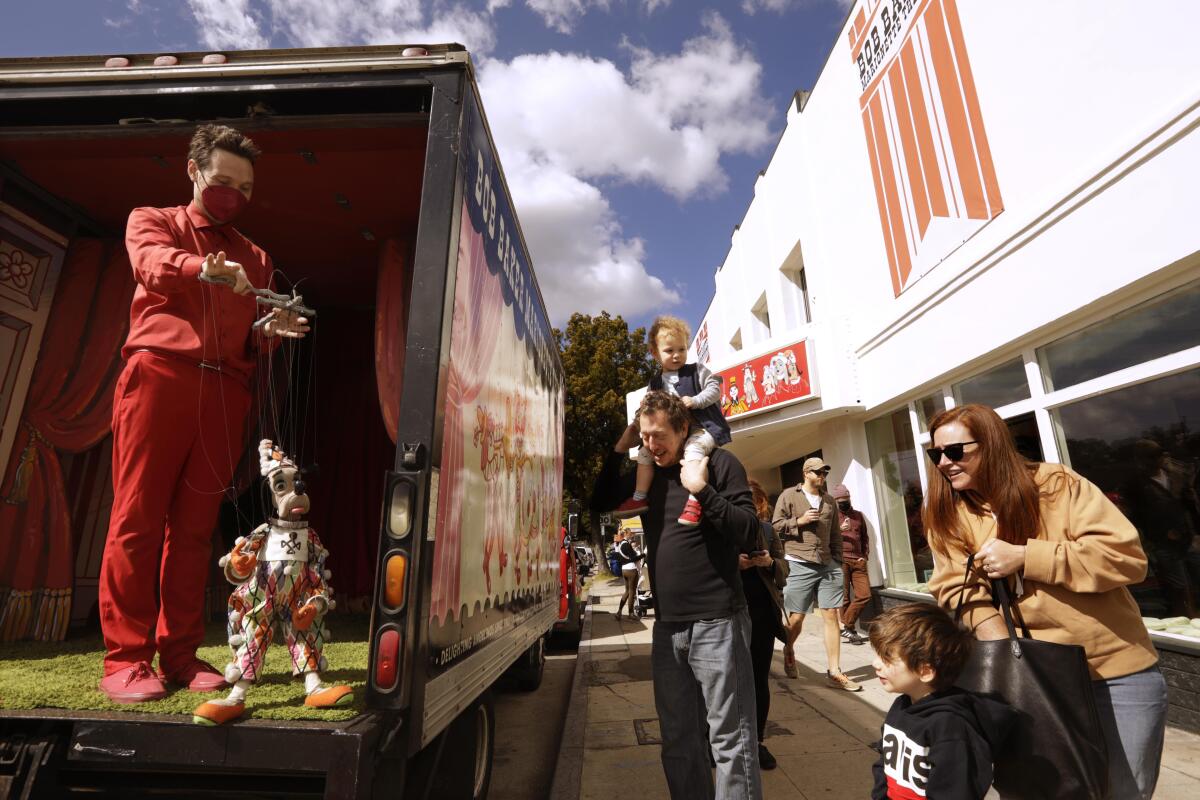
265,297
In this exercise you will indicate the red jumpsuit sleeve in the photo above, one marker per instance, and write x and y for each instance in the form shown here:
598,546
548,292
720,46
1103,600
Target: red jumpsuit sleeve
158,264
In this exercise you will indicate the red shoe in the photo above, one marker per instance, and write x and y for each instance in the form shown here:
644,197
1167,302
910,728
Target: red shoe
630,508
691,513
136,684
199,676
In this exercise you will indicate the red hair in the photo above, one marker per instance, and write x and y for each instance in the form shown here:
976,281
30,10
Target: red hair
1004,482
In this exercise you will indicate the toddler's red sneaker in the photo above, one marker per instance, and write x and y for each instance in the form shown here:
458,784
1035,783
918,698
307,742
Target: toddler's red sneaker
691,513
630,508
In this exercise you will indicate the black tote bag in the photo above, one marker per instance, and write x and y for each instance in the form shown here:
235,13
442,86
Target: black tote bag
1056,748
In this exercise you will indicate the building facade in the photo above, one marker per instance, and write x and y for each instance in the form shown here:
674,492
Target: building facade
993,203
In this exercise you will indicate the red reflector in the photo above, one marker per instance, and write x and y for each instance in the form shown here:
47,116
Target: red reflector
214,58
166,61
117,62
387,660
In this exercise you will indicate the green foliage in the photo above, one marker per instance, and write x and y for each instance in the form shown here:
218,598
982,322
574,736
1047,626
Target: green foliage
603,360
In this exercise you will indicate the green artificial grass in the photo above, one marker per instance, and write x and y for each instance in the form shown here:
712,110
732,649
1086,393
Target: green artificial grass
66,675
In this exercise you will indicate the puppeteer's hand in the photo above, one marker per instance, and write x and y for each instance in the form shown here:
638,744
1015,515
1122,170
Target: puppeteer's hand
281,322
222,270
303,617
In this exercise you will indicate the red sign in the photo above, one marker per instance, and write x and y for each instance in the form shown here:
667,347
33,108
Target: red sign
766,381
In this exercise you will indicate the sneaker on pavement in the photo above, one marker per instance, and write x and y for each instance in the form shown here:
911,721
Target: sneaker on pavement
852,637
136,684
840,681
199,676
765,759
630,508
691,513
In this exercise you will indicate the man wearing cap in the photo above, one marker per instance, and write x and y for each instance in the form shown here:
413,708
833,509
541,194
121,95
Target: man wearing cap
809,524
855,547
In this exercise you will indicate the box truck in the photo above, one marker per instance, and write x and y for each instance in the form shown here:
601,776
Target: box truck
379,193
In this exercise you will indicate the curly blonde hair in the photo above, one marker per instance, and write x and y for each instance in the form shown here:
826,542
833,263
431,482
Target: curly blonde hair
668,324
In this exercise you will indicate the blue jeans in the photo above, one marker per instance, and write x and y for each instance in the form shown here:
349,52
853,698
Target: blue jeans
702,675
1133,716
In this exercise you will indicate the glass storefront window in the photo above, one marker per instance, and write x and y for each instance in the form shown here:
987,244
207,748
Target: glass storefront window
928,408
997,387
1024,431
898,490
1158,327
1138,446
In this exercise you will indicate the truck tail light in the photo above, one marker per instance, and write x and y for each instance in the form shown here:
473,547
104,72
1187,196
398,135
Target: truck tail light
400,509
387,660
395,582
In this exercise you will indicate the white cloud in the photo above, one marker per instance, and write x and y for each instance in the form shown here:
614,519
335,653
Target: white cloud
227,23
653,5
562,14
305,23
665,123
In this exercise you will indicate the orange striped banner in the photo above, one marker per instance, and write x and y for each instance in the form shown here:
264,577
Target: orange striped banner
935,183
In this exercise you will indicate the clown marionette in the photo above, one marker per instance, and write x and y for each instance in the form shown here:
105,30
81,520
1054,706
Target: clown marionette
279,571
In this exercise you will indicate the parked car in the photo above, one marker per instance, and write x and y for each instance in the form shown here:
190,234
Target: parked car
585,559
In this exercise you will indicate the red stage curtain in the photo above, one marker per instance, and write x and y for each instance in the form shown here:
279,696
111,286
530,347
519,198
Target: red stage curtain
393,289
478,304
69,408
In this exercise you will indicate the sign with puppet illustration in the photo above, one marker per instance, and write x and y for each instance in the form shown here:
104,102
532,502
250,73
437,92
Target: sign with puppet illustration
496,555
773,379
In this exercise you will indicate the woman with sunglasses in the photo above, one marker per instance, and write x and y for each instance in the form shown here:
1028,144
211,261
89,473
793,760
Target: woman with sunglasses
1071,555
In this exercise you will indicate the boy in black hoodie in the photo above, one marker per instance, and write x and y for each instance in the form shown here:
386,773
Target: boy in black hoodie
938,739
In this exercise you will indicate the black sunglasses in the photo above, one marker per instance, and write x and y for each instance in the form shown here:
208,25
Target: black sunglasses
821,471
954,452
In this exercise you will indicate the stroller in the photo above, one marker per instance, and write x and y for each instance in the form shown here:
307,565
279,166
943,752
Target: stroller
644,602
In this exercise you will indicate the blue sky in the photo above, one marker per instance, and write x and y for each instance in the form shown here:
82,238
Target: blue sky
631,130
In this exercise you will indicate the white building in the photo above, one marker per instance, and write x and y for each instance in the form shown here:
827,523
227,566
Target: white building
977,202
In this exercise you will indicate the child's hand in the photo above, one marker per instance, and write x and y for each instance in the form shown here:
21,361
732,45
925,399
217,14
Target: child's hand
688,401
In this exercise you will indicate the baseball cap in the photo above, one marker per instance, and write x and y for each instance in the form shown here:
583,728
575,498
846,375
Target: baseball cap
840,491
814,464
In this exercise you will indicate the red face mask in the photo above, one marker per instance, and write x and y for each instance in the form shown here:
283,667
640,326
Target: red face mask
223,203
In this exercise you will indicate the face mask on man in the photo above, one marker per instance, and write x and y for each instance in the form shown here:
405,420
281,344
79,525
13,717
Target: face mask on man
223,203
844,505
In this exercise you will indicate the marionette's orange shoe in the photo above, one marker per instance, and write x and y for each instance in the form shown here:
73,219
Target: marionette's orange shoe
330,697
217,712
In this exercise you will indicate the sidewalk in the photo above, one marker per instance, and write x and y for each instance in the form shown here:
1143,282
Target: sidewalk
819,735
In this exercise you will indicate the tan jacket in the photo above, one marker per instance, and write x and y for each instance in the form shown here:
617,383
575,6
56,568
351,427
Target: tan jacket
818,541
1076,573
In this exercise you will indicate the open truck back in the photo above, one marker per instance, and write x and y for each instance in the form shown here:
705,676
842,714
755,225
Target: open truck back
440,395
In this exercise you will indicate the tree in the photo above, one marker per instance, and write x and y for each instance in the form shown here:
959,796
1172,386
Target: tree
602,361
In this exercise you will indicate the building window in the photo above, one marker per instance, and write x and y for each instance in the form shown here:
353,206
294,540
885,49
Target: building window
1138,446
762,319
928,408
794,289
897,479
1166,324
997,387
736,341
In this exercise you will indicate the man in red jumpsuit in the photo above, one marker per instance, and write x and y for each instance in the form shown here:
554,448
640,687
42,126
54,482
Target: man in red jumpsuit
179,416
